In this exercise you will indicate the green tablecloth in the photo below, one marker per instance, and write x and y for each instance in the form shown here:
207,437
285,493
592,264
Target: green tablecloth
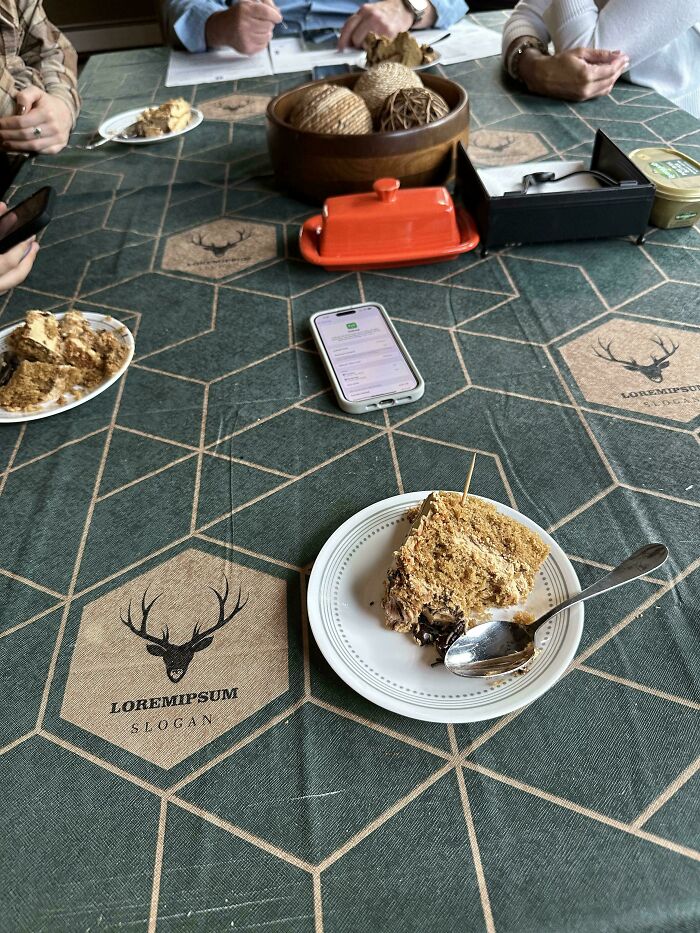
272,797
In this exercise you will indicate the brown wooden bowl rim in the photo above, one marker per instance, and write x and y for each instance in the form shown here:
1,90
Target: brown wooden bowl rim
399,134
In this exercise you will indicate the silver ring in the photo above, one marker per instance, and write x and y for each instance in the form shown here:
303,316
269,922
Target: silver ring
37,131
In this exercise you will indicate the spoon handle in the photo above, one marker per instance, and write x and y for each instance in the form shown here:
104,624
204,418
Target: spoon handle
643,561
101,142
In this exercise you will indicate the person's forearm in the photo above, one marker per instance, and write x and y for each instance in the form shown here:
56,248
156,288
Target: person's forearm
428,19
574,23
51,62
530,73
525,20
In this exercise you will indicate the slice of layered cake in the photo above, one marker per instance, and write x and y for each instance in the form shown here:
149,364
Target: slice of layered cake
52,360
170,117
458,562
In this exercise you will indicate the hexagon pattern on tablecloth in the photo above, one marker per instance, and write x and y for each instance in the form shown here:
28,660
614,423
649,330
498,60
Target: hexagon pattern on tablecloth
222,454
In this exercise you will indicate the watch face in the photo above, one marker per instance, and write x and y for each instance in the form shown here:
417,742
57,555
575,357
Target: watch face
417,8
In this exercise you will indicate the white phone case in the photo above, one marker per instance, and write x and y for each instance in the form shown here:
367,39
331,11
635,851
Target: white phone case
387,399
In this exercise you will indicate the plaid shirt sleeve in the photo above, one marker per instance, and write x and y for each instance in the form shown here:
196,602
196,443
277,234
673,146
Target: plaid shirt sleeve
36,52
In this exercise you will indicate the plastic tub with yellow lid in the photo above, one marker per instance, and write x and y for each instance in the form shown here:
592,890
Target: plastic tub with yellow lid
677,180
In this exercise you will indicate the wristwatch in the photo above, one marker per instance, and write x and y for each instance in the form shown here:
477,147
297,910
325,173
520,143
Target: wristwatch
513,61
417,9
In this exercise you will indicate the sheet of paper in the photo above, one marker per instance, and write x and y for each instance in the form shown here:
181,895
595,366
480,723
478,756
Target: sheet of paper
509,177
466,41
293,54
221,65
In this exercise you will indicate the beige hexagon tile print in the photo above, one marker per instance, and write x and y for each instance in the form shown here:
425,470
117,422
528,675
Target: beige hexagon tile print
173,659
220,248
504,147
234,107
638,366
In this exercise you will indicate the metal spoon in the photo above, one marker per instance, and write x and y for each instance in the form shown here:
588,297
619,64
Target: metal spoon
500,647
129,132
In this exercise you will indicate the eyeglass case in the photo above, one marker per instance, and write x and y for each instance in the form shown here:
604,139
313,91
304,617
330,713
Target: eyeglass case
556,216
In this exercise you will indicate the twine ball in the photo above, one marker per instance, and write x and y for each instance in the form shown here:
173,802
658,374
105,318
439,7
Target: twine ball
331,108
411,106
375,85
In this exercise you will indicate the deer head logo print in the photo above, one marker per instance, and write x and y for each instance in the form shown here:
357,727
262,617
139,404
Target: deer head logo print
652,371
221,249
177,658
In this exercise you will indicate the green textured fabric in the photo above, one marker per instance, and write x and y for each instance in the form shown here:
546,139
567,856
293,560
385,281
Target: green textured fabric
283,801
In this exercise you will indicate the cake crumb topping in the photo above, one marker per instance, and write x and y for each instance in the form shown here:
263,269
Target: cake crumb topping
458,562
52,360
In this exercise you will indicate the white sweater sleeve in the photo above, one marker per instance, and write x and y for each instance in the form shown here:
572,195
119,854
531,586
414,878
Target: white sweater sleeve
638,27
527,19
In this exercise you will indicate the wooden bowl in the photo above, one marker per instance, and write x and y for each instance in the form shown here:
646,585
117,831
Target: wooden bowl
314,166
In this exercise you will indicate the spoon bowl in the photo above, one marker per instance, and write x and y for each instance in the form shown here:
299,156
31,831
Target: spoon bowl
501,647
491,648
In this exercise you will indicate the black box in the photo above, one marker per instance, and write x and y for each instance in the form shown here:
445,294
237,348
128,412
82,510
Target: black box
553,216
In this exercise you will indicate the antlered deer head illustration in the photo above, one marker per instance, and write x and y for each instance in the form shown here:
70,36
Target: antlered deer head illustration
653,371
221,249
177,658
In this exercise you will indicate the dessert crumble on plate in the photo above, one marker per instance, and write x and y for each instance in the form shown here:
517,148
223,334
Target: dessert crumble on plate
458,562
403,49
52,360
169,117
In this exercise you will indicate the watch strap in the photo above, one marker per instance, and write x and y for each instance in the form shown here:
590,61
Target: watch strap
416,12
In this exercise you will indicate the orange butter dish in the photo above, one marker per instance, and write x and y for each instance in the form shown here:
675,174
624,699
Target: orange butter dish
387,227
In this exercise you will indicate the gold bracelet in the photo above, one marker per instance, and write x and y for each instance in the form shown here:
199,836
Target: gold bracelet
513,62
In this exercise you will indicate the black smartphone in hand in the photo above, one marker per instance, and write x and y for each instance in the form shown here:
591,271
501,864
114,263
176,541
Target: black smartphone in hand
27,218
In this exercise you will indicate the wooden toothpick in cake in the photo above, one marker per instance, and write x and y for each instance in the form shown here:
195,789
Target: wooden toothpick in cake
468,480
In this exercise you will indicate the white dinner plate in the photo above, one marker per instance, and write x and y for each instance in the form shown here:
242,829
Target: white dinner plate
120,122
98,322
435,61
387,667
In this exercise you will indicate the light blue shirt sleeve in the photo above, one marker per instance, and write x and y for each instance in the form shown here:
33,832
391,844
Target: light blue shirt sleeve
187,20
448,12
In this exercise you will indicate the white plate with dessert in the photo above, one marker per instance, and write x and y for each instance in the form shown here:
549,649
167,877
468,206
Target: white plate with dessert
51,363
391,586
151,124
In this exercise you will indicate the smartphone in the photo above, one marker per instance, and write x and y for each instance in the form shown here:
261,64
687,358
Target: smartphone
367,363
27,218
320,72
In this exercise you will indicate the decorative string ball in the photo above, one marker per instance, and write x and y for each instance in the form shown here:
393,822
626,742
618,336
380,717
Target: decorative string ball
375,85
331,108
411,106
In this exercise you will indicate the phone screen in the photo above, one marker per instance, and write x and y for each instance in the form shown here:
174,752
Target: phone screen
364,354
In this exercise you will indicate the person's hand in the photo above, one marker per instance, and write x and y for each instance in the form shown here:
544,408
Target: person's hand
36,109
17,262
578,74
384,18
246,26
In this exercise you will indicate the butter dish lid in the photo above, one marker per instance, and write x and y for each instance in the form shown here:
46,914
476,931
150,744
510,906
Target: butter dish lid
389,219
675,174
387,226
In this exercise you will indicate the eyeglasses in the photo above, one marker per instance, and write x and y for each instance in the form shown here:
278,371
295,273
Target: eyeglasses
542,178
